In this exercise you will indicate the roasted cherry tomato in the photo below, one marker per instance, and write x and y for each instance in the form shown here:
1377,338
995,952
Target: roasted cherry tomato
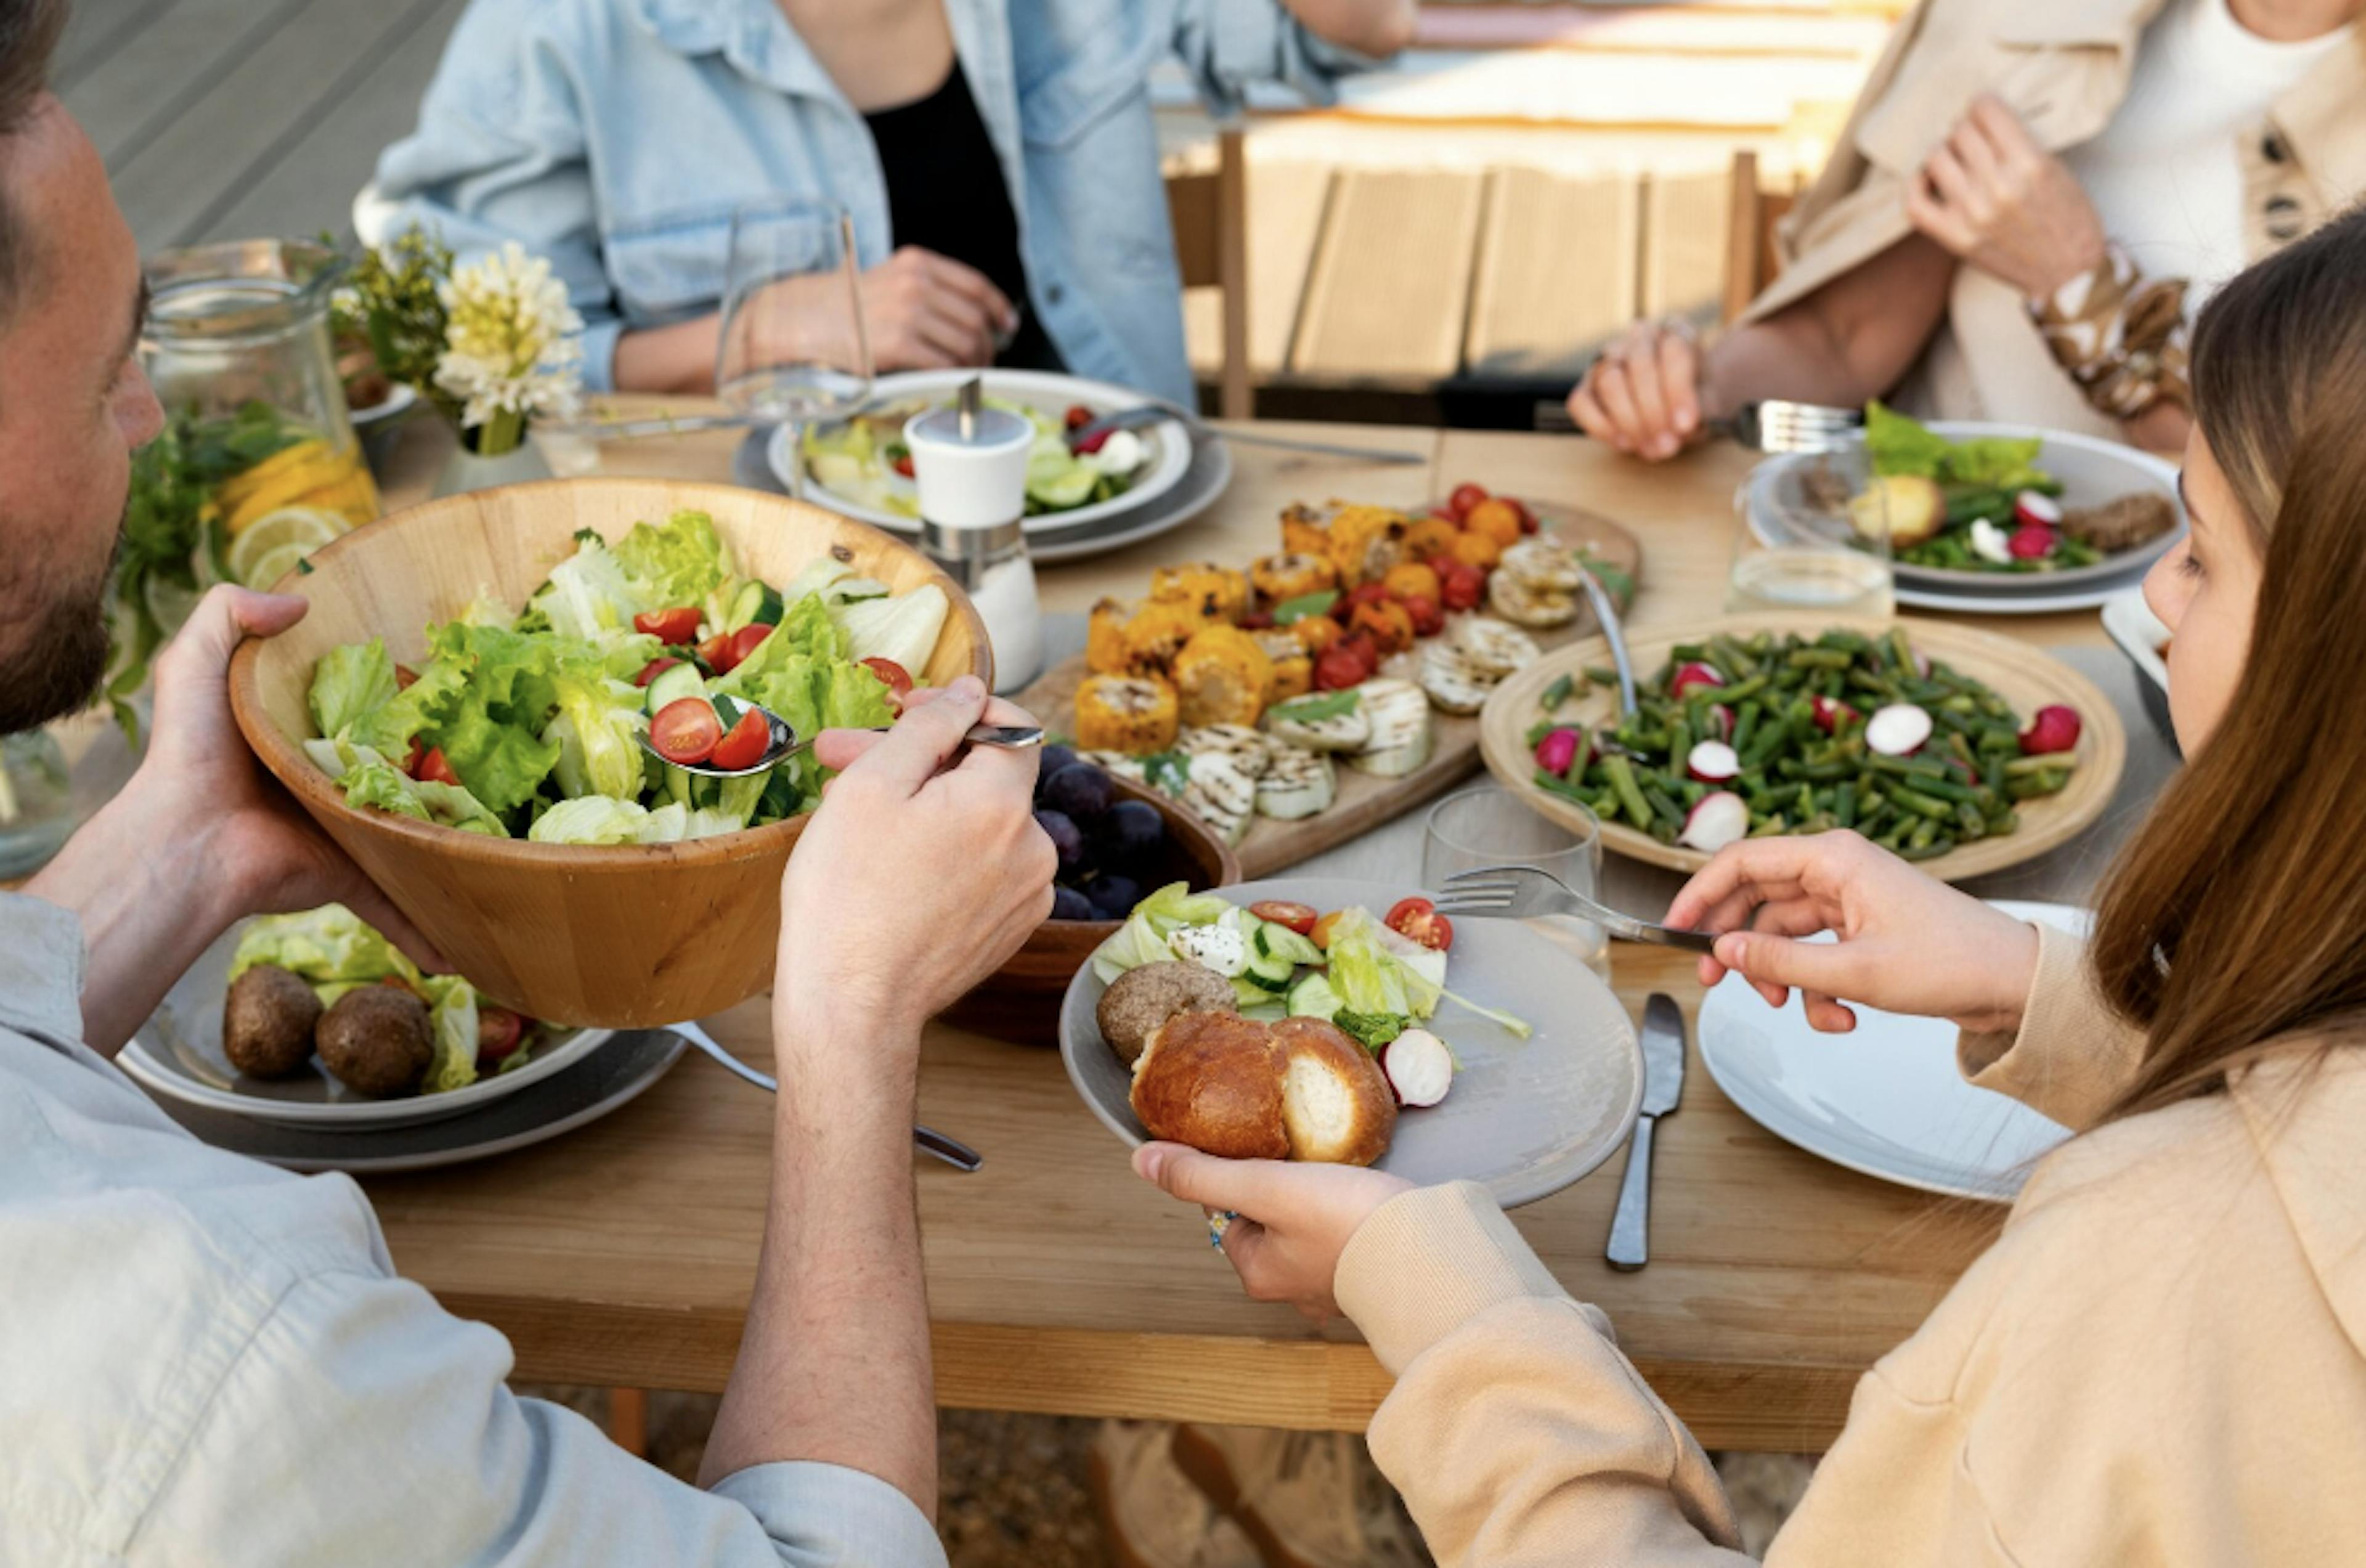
1078,416
686,730
1428,620
1419,920
436,768
745,743
1464,498
1529,524
1343,609
1344,664
899,679
498,1031
1462,587
655,667
740,644
1321,935
1299,918
403,676
903,464
669,626
1257,621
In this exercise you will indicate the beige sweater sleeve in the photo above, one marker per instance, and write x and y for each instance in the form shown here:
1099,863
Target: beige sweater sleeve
1516,1431
2073,1055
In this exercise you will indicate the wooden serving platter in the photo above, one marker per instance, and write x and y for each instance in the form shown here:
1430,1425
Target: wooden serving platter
2020,673
1365,802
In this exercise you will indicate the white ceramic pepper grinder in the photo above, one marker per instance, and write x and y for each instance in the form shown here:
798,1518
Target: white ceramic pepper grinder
970,464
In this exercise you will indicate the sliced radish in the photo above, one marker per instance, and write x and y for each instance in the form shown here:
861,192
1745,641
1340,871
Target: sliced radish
1898,730
2033,508
1419,1067
1695,674
1562,751
1717,820
2032,541
1720,719
1830,716
1991,542
1713,762
2055,728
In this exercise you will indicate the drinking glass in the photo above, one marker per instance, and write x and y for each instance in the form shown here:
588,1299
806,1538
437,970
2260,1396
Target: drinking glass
1813,555
1489,826
793,348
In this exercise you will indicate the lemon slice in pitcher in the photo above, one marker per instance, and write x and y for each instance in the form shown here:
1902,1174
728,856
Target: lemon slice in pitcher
268,548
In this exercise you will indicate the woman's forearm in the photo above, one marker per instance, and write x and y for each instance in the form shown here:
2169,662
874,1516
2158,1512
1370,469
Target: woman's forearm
679,358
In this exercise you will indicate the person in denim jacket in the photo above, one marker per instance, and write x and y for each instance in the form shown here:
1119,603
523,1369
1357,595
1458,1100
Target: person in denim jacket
617,136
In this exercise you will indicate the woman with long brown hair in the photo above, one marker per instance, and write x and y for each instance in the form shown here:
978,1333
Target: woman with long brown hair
2162,1357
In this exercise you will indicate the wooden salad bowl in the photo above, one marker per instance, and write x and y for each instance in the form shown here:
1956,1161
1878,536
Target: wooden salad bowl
1020,1002
620,937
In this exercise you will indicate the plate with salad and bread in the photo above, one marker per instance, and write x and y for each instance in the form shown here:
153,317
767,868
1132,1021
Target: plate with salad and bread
1311,1019
462,710
1980,513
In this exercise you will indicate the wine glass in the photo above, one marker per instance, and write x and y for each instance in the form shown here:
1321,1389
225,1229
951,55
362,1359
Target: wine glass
793,348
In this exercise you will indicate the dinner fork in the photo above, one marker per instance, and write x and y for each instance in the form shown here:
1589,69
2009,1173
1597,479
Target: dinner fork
927,1140
1524,892
1777,425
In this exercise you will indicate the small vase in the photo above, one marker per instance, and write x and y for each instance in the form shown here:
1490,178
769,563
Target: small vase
466,471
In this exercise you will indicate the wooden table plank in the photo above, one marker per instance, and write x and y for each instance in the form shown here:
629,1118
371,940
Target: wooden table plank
313,186
278,89
625,1252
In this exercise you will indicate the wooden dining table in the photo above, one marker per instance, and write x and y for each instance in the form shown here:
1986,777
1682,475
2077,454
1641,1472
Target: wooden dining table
623,1253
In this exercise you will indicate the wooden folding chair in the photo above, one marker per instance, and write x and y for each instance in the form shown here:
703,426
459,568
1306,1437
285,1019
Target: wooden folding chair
1209,210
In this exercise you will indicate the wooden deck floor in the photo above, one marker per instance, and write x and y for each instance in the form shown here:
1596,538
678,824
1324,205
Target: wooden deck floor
1528,179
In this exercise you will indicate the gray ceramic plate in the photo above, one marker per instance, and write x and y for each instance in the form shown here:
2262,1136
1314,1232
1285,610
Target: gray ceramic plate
610,1076
1526,1117
177,1054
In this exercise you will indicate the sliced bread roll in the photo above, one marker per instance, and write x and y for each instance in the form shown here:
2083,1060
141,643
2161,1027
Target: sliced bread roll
1336,1104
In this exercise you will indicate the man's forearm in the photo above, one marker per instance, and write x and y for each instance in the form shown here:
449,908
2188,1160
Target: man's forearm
1376,27
834,1363
151,899
679,358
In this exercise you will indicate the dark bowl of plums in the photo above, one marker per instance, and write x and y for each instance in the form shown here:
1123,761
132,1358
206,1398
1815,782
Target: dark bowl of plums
1118,843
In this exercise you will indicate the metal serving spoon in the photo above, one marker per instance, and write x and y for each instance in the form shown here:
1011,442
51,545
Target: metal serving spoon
927,1140
784,743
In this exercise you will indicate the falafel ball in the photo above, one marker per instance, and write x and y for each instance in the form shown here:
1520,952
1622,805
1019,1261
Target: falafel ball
377,1040
267,1022
1139,1001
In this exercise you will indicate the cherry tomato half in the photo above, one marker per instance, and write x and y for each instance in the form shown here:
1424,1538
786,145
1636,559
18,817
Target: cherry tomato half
1299,918
655,667
903,464
669,626
744,744
716,653
1324,929
899,679
498,1031
1419,920
412,758
403,676
1464,498
436,768
1078,416
686,730
744,641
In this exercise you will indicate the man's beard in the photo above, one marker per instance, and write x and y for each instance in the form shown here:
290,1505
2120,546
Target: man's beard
61,663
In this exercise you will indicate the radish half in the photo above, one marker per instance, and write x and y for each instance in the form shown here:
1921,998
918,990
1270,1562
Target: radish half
1713,762
2033,508
1419,1067
1898,730
1721,716
1830,715
2055,728
1695,674
1717,820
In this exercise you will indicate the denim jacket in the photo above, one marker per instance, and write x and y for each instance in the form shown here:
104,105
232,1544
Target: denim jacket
615,137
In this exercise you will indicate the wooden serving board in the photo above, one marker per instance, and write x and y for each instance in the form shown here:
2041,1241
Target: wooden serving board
1363,801
2023,675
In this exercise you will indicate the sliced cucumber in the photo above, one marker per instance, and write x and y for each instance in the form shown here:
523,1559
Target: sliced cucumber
677,784
1268,968
756,602
671,685
1287,945
1313,997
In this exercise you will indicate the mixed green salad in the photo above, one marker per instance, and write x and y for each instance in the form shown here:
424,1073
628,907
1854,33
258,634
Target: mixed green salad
1982,504
333,950
866,460
528,724
1347,967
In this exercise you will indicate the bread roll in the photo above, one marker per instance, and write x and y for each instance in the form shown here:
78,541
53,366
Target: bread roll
1212,1080
1231,1086
1336,1103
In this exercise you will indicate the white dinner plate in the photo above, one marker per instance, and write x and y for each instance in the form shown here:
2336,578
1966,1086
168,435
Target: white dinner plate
1885,1099
1168,444
1524,1117
177,1053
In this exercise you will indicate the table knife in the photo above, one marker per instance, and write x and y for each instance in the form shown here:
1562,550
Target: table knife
1663,1081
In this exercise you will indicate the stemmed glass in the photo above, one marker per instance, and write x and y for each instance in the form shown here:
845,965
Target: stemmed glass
793,348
